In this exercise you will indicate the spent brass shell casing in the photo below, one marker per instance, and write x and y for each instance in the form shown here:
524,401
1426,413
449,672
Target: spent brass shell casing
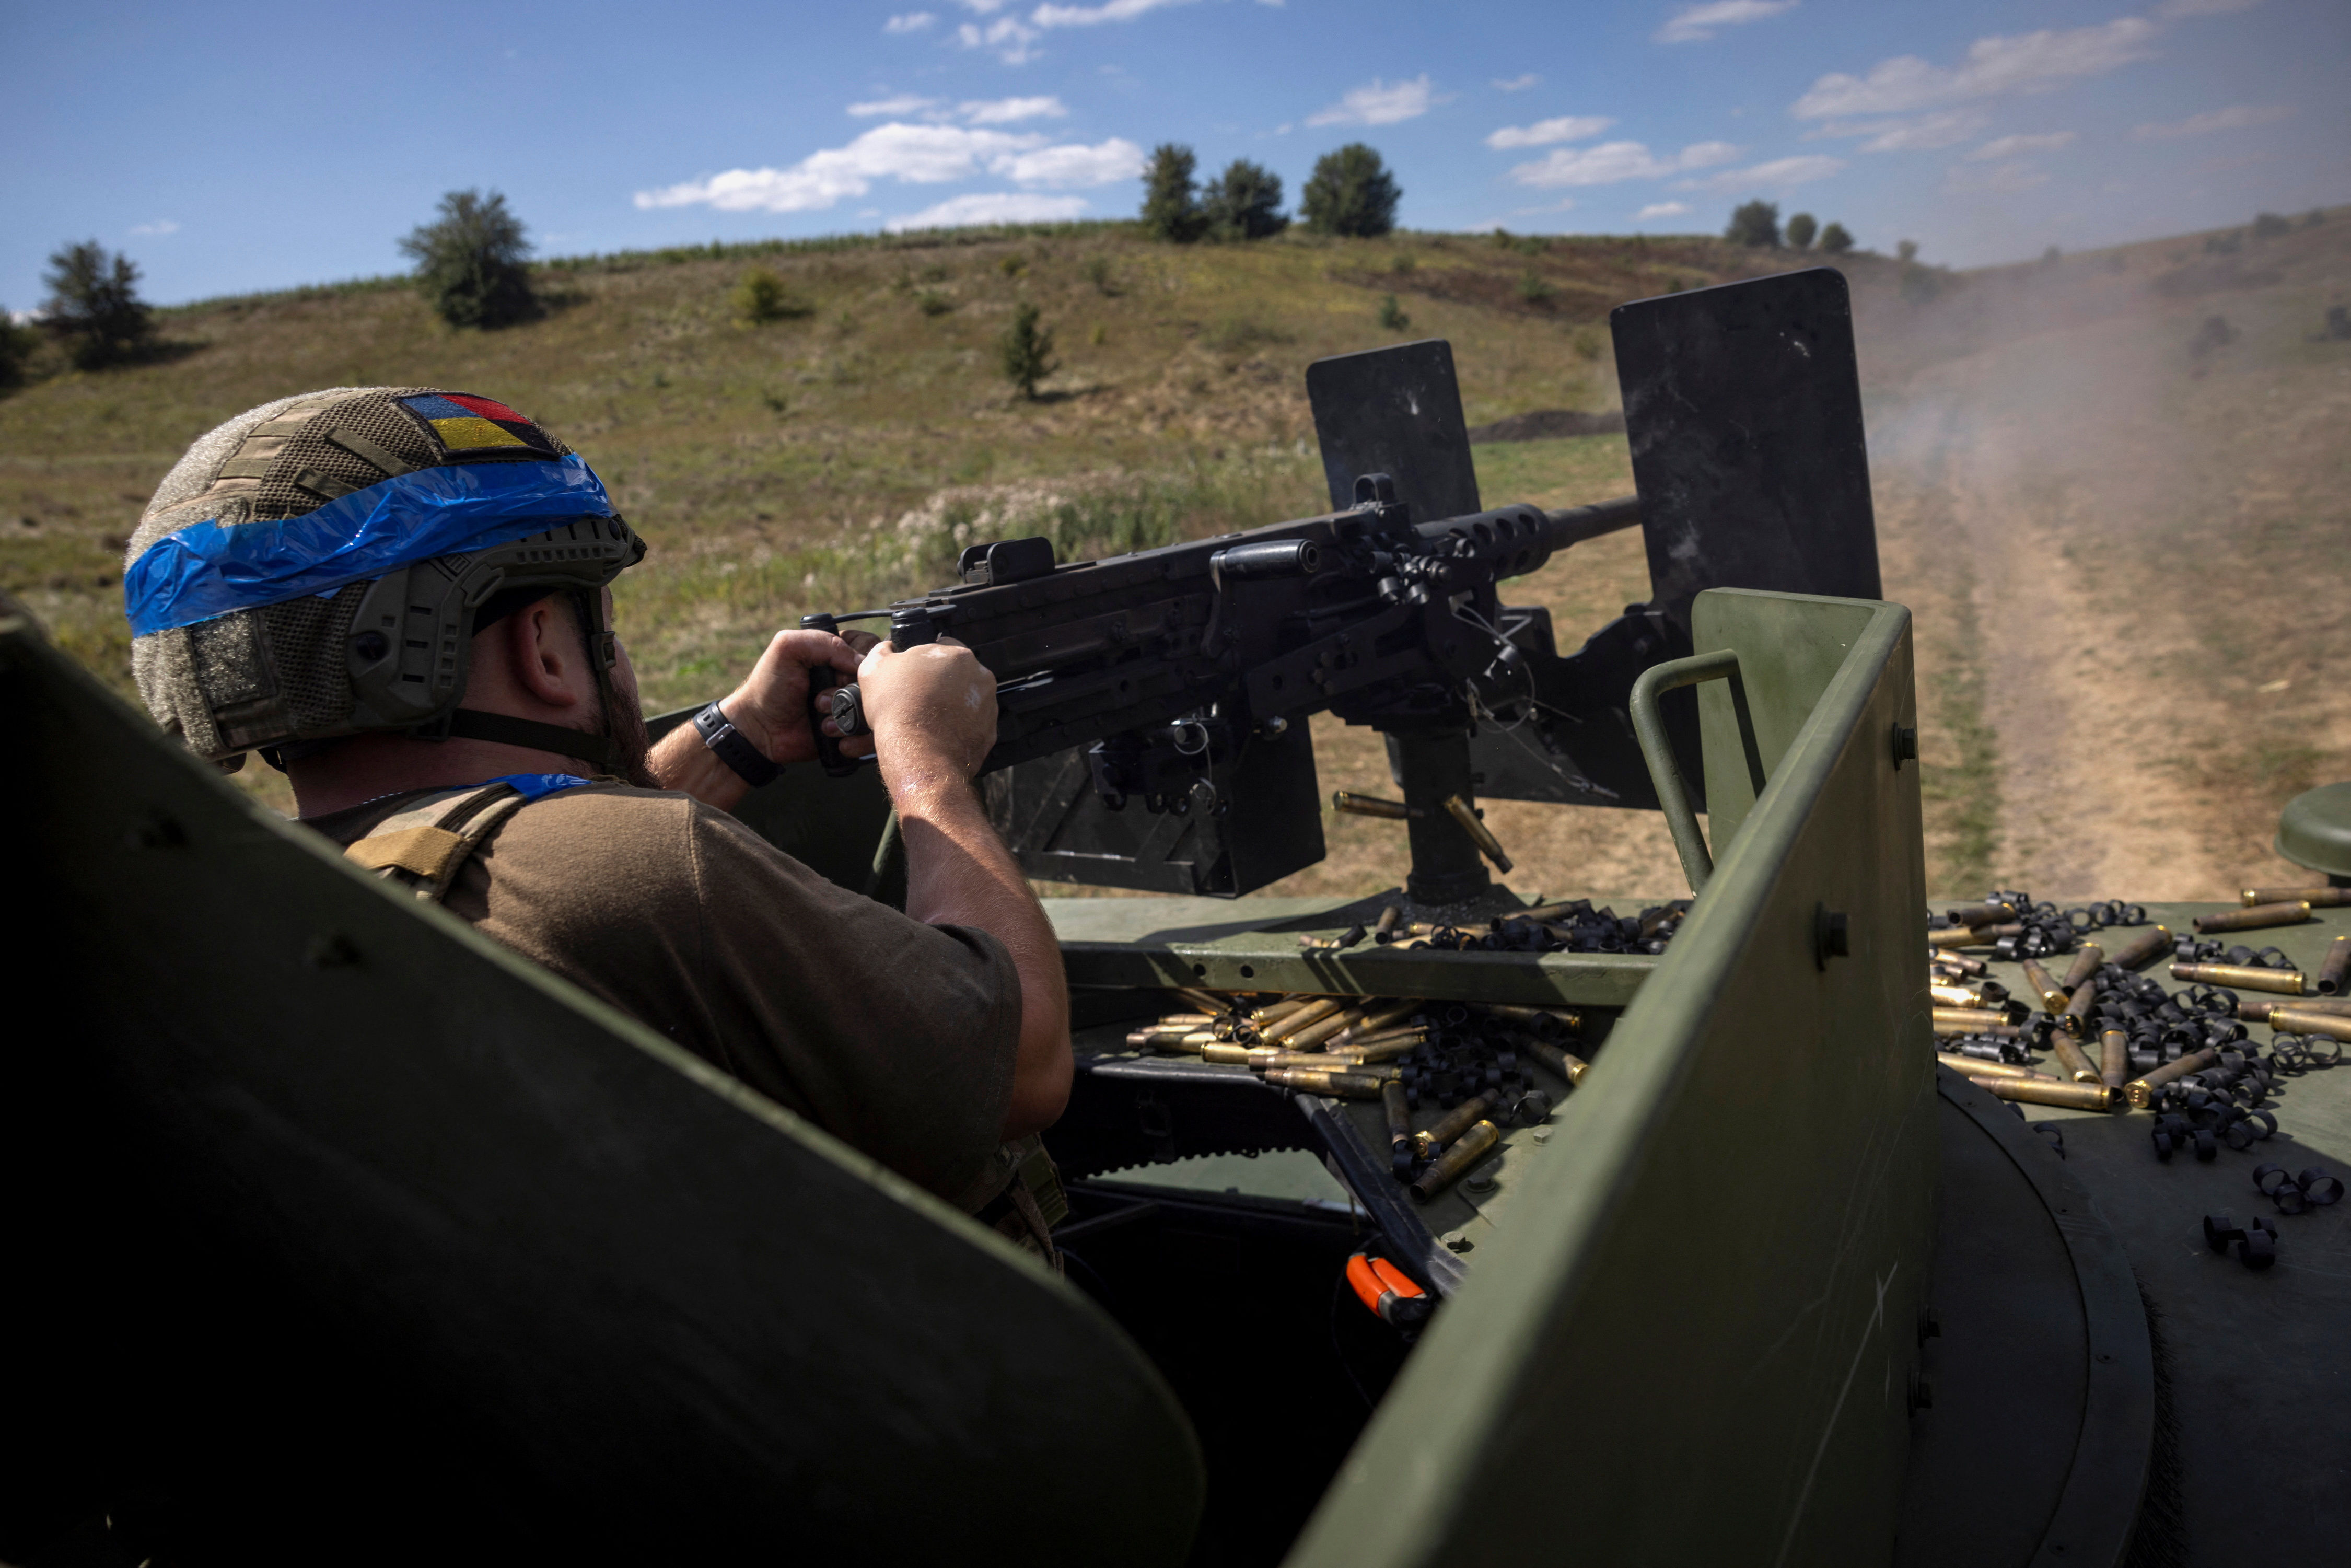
1274,1013
2142,1089
2310,1021
1985,913
1189,1042
1179,1023
1475,1143
2334,969
2045,985
1957,936
2114,1059
1455,1122
1201,1001
1305,1017
1540,1017
1387,925
1479,834
2257,1009
2143,949
2316,897
2069,1057
2085,967
1399,1112
2256,917
1962,997
1337,1085
2039,1092
1370,806
1968,1066
1378,1050
1238,1055
2239,977
1379,1017
1322,1029
2077,1016
1961,965
1969,1020
1564,1064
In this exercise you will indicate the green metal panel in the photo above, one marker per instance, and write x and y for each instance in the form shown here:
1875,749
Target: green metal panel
339,1155
1792,658
1691,1343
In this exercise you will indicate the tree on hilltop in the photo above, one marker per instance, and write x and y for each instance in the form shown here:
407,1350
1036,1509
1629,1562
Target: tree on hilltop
1837,239
1171,210
94,306
1801,230
1351,194
1245,203
1756,223
469,262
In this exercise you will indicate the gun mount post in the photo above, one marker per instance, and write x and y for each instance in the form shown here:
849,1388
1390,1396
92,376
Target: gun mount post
1445,865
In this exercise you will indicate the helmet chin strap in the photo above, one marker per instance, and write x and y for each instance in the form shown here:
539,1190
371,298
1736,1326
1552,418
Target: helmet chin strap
472,724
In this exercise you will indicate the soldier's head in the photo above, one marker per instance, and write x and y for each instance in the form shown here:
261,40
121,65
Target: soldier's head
321,567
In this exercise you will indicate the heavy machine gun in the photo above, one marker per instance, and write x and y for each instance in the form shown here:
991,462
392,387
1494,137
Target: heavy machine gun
1153,706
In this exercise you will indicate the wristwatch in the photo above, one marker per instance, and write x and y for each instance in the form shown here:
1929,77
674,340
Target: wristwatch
734,747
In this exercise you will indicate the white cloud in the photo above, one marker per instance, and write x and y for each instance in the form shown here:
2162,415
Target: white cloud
1379,103
2172,10
1614,160
914,155
1064,168
903,103
911,154
990,207
1092,15
159,226
1543,132
1661,210
1923,134
912,22
1779,173
1007,111
1699,22
1007,36
1516,84
2027,62
2236,116
983,8
2007,179
2010,146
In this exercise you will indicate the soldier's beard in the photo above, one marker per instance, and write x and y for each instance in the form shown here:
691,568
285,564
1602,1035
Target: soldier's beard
626,730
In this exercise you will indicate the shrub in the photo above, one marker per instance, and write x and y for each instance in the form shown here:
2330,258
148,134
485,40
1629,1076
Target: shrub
16,351
1245,203
1098,273
931,302
760,297
94,306
1392,315
2313,218
1170,210
1905,250
1013,265
1026,351
1351,194
1837,239
1801,230
1502,239
1756,223
2229,244
469,262
1237,334
1535,291
1401,266
2269,225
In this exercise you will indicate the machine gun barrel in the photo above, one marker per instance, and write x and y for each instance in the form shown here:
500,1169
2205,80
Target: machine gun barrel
1188,644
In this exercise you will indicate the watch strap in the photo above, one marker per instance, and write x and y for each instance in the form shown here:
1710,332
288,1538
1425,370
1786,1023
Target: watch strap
733,748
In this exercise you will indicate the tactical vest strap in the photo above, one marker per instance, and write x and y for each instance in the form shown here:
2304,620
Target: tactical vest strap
428,844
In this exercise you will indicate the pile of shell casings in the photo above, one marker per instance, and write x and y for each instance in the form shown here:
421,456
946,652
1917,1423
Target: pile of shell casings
1473,1061
2153,1046
1570,926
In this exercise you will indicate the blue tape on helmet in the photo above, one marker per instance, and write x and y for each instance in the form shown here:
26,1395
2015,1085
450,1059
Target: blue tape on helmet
207,570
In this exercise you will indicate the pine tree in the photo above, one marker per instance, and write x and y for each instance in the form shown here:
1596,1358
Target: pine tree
1245,203
94,306
1351,194
469,263
1028,351
1170,209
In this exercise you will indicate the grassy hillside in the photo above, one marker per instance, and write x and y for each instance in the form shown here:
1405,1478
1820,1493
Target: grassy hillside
843,455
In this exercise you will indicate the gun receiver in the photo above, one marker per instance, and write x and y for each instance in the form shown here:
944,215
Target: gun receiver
1165,660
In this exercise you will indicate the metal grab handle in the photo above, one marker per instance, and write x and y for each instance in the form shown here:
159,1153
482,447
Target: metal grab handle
1657,750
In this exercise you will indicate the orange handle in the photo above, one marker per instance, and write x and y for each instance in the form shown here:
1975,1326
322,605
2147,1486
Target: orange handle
1370,1288
1397,1279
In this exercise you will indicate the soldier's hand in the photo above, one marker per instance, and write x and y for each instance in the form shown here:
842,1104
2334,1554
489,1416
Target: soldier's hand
771,707
933,709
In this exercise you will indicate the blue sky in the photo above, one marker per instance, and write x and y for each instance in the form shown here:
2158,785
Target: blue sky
238,147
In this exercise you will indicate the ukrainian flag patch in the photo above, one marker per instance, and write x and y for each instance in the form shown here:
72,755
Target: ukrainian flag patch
464,423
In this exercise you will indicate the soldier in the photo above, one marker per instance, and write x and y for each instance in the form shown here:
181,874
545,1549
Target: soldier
399,596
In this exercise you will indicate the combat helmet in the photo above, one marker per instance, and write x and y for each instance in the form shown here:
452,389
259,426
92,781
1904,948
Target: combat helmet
316,567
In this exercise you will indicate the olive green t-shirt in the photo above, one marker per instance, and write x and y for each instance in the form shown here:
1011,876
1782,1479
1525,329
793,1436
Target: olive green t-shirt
894,1036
